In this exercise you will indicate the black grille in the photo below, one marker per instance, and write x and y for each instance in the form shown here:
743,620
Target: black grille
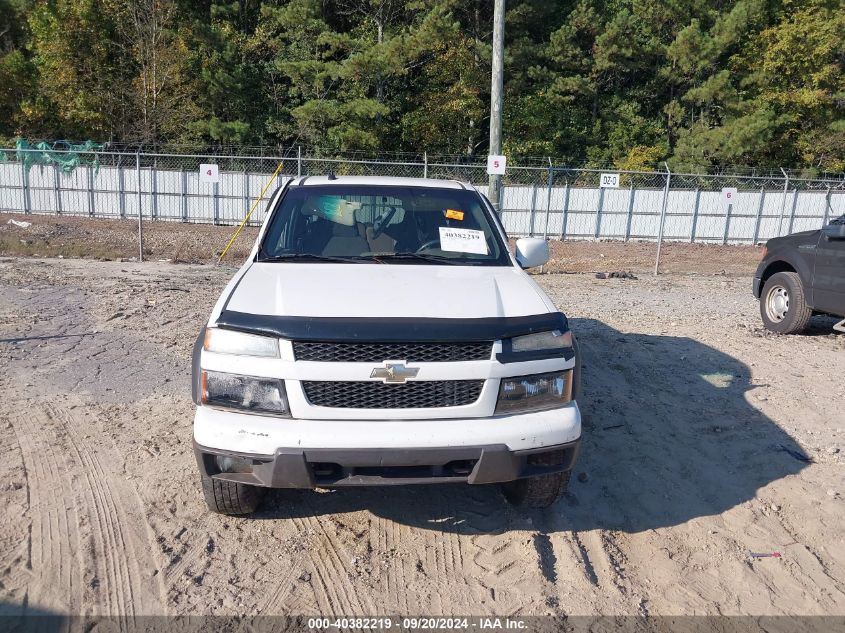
428,394
378,352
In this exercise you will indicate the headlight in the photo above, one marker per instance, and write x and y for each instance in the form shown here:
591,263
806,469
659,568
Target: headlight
261,395
542,341
535,392
231,342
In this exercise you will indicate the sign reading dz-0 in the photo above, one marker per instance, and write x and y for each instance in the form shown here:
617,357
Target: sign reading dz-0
609,181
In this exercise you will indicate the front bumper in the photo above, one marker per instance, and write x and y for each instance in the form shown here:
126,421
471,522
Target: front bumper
247,433
312,468
295,453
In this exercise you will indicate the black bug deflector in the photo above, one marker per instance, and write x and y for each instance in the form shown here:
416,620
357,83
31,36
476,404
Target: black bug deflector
401,329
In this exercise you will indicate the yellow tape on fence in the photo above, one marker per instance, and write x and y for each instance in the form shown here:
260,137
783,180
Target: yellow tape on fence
246,219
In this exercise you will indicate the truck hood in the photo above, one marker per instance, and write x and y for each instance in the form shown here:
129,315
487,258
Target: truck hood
799,238
387,290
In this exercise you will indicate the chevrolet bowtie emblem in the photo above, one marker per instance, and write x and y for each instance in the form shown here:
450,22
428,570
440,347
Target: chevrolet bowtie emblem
395,372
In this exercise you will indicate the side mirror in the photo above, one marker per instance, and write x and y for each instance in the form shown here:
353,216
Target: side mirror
835,231
531,252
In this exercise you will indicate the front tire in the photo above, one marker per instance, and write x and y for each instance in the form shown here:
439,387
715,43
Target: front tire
537,492
228,497
783,305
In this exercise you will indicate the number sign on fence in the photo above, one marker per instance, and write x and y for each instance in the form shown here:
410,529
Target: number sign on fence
609,181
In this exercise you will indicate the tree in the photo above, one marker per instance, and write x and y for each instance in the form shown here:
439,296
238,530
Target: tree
157,52
229,98
16,73
81,78
629,83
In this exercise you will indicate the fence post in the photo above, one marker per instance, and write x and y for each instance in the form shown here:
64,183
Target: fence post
216,203
154,191
246,192
546,226
27,203
565,220
140,209
792,211
549,194
759,215
184,196
425,164
533,208
783,200
598,212
56,190
694,226
662,218
299,160
121,193
90,171
531,223
630,210
727,223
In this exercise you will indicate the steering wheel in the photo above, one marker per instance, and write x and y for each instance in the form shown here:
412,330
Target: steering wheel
428,244
381,222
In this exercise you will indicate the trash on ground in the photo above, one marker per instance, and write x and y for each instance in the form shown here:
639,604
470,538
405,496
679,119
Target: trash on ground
764,554
621,274
19,223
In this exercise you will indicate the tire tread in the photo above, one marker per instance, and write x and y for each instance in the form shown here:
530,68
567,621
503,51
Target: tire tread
541,491
228,497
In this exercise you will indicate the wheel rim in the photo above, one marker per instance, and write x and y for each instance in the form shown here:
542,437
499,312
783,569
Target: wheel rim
777,303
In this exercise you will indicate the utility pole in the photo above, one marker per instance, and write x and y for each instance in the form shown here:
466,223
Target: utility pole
496,95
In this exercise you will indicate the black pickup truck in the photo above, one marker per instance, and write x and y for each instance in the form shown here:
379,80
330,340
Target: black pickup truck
801,275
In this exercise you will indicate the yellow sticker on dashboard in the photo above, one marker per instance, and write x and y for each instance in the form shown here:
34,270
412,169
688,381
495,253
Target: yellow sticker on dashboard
452,214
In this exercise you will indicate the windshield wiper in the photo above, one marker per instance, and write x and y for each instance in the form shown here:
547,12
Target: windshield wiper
434,259
313,257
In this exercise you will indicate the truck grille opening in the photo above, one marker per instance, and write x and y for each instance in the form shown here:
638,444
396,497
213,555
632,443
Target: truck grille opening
429,394
330,474
379,352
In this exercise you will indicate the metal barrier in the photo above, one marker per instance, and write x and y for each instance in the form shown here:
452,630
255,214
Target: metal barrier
551,201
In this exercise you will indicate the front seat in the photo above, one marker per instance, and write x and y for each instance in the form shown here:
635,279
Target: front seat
345,242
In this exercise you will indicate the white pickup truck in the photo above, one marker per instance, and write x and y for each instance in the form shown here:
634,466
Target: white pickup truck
381,332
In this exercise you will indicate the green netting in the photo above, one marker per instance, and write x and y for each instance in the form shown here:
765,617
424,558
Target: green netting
67,156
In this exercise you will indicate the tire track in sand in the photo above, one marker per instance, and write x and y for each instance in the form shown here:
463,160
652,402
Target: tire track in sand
54,578
330,574
505,569
109,542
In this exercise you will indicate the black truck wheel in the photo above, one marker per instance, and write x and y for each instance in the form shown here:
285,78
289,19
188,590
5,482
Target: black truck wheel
228,497
537,492
783,306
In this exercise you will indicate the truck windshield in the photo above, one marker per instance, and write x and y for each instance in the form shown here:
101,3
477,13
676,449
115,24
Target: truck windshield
384,224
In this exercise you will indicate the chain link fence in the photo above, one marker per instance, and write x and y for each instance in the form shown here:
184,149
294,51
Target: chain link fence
551,201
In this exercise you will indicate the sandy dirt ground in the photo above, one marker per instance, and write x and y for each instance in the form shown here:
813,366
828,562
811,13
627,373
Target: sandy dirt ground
695,423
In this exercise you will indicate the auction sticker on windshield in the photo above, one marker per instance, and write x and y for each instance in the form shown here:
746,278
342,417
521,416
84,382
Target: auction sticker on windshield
462,240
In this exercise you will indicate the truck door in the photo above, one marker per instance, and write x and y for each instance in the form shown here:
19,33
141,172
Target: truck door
829,274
